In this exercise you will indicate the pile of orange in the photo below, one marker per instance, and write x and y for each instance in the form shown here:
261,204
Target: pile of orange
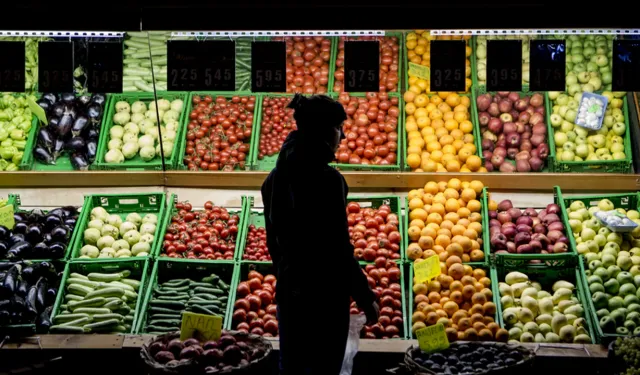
440,133
419,52
461,299
445,220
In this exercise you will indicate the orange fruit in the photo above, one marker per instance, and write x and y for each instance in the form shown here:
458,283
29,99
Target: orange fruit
453,260
470,235
485,335
489,308
418,316
478,186
414,233
452,334
455,250
434,297
444,321
428,231
422,305
464,324
475,226
477,255
428,253
456,285
465,243
478,299
416,223
475,217
419,213
457,315
479,273
467,194
468,280
493,327
467,292
420,288
444,232
488,293
476,309
417,326
474,163
446,224
464,212
456,271
502,335
431,187
432,318
456,297
474,205
443,240
425,242
420,298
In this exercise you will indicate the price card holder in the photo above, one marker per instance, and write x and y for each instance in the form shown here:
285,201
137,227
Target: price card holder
504,65
105,67
626,65
201,65
547,65
55,67
427,269
362,66
200,326
6,216
448,65
268,67
432,339
12,66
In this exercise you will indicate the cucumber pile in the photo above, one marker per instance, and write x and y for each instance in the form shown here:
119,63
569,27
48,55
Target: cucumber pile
171,298
98,303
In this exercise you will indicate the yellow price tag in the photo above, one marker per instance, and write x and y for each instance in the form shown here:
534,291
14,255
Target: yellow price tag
427,269
433,338
420,71
38,111
200,326
6,216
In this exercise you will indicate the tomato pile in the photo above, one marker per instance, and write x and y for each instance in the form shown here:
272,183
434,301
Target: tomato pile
277,123
371,129
374,232
218,133
256,247
389,57
308,64
203,234
384,279
255,309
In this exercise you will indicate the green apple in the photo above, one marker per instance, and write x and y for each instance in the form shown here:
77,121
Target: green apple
593,246
566,125
584,213
569,146
607,78
560,138
618,117
582,150
592,66
556,120
596,83
602,60
571,79
562,110
608,121
588,87
575,88
582,248
562,99
634,251
568,155
575,224
584,76
615,238
633,215
619,128
617,139
602,152
618,156
587,234
553,95
606,157
598,141
600,240
581,132
605,205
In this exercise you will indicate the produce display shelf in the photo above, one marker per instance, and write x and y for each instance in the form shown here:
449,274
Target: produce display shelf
165,269
139,268
524,259
241,272
267,163
546,275
136,163
156,250
121,205
593,166
549,163
184,123
253,216
410,302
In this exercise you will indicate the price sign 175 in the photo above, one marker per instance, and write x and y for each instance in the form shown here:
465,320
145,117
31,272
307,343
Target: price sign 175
12,66
362,66
626,65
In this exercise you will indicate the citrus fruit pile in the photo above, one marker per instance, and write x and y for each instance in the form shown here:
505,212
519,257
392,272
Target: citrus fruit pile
461,299
445,220
440,133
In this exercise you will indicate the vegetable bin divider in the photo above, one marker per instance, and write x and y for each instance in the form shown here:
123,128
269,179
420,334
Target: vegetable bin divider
139,268
593,166
184,123
479,90
546,274
136,163
121,205
524,259
241,274
252,215
165,269
157,250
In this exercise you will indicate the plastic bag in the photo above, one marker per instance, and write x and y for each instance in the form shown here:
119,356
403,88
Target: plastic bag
356,323
616,221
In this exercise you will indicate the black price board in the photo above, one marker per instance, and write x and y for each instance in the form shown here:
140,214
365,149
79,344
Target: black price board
504,65
268,67
626,65
547,67
362,66
105,67
55,67
201,65
448,65
12,66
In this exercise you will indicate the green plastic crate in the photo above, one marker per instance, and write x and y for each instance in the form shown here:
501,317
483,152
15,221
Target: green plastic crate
549,163
166,269
593,166
411,303
241,272
136,163
387,34
546,275
267,163
121,205
182,142
139,268
157,251
524,259
485,225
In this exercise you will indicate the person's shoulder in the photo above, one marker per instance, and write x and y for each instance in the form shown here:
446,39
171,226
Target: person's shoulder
331,174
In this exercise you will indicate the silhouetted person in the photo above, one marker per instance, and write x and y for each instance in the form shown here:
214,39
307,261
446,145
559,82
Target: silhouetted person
308,239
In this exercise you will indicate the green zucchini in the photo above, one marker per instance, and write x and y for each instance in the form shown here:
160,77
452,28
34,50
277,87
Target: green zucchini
103,317
103,325
211,279
78,289
160,310
206,296
87,302
114,305
155,329
66,329
72,297
69,317
200,310
84,282
107,277
92,310
165,316
135,284
107,292
78,322
176,283
74,275
167,304
166,322
214,291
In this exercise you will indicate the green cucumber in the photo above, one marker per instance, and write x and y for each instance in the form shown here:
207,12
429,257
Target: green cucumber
206,296
167,304
74,275
166,322
90,302
107,292
83,282
155,329
160,310
105,324
214,291
135,284
72,297
114,305
78,322
58,319
176,283
78,289
66,329
107,277
92,310
164,316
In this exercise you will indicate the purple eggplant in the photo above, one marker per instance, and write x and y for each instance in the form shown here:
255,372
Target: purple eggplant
43,156
40,250
91,133
75,144
20,227
3,249
44,104
64,127
57,110
92,149
69,211
84,99
4,233
56,250
68,97
19,250
99,99
58,147
59,234
45,139
94,111
52,220
78,125
34,234
79,162
50,97
71,221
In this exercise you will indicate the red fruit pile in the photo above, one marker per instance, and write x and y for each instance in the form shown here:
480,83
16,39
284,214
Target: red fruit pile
389,56
277,123
203,234
308,64
384,280
374,232
371,130
255,307
219,132
256,247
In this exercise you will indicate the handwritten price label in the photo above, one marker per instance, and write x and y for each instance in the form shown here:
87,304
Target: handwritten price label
427,269
420,71
432,339
6,216
205,327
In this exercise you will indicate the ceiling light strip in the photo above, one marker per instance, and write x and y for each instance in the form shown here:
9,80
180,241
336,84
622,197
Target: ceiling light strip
272,33
537,32
64,34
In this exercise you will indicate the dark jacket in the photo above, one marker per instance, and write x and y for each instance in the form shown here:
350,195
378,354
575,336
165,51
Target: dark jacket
306,221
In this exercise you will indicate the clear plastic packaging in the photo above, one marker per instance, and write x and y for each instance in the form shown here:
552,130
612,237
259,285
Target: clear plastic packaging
591,111
616,221
355,326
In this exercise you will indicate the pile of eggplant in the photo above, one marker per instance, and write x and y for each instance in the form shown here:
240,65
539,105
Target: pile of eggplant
27,293
74,128
37,235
